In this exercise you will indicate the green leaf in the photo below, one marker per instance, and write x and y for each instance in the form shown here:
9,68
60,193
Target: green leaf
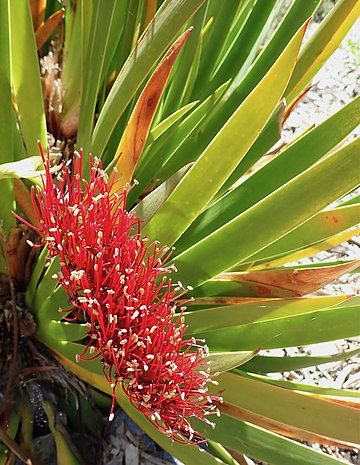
322,44
314,249
302,387
6,123
46,296
135,134
268,137
65,450
166,24
26,77
195,191
319,228
164,125
351,201
275,323
177,147
48,309
200,321
297,14
6,127
219,451
47,284
185,71
269,364
263,445
65,331
307,413
35,276
167,151
292,161
241,52
268,220
222,15
102,21
26,412
90,371
295,17
77,26
11,429
225,361
133,10
148,207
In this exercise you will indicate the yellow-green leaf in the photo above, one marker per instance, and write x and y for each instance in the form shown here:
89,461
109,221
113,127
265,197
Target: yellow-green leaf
133,140
225,151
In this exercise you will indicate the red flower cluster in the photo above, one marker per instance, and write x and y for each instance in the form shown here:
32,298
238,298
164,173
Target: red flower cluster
117,283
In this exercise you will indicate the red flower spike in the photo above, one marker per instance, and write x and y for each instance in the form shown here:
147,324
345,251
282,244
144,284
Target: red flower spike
119,285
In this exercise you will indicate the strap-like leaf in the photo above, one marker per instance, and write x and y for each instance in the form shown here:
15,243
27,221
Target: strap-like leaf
266,446
25,168
271,364
306,417
148,207
26,77
273,217
322,44
276,323
133,140
165,25
6,123
297,282
292,161
211,170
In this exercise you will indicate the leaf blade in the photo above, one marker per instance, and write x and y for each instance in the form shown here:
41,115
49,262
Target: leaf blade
167,22
134,138
270,219
322,44
218,171
303,412
26,78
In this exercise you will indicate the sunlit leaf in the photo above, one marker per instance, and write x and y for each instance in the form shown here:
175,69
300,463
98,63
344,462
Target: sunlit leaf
298,281
26,168
26,77
148,207
263,445
306,417
65,450
235,138
165,25
271,364
225,361
138,127
322,44
6,121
